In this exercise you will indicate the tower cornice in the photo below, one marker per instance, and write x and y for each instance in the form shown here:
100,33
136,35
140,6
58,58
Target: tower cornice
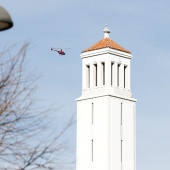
107,95
106,51
102,92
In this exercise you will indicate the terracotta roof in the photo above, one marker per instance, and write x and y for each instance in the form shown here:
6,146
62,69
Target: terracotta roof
105,43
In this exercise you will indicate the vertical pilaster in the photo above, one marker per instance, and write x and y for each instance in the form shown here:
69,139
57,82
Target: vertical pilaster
83,77
115,74
128,77
107,73
100,74
121,76
91,75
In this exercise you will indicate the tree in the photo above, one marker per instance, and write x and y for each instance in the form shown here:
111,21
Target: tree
23,144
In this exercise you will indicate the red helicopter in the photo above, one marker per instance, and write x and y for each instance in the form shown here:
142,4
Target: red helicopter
61,52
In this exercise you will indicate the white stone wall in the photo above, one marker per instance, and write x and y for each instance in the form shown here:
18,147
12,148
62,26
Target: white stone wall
106,133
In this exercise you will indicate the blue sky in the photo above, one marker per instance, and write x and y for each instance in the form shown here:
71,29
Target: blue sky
140,26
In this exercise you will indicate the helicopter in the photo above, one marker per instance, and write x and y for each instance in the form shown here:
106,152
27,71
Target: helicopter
61,52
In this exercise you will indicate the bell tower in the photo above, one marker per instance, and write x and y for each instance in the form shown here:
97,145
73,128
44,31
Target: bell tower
106,111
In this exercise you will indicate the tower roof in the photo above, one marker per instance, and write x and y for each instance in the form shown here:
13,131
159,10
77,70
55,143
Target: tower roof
106,42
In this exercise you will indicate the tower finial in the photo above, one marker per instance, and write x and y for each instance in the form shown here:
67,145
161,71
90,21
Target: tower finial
106,32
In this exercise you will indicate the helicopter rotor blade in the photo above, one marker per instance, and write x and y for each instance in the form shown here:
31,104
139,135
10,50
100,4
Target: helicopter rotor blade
56,48
59,48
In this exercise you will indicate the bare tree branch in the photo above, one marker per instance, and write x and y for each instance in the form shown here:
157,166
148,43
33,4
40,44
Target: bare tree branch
22,146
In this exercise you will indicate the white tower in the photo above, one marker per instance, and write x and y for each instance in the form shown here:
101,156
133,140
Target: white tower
106,115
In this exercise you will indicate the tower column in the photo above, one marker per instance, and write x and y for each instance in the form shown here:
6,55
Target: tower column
84,81
91,75
128,77
99,79
114,74
121,75
107,74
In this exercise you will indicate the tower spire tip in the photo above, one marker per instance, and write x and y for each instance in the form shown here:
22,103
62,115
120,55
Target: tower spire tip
106,32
